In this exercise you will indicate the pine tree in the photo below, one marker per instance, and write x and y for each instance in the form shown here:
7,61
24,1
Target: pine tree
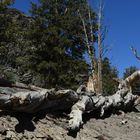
13,29
5,3
59,41
5,23
109,73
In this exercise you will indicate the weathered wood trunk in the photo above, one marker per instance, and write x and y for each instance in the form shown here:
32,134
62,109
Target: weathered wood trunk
26,98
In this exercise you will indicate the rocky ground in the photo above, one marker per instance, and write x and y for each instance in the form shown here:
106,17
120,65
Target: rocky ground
40,126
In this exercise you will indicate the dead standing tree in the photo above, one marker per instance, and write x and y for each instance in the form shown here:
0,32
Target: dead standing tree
100,85
92,81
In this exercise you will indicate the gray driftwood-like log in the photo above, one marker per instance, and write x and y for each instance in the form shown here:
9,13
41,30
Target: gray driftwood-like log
19,97
31,101
123,99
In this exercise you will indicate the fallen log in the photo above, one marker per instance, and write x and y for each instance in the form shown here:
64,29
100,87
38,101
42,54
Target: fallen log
123,99
34,101
28,98
91,103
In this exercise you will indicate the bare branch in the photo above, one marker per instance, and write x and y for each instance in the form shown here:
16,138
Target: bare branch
91,27
66,9
92,40
87,40
100,88
135,53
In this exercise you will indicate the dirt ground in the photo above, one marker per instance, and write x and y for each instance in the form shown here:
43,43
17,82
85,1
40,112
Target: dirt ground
22,126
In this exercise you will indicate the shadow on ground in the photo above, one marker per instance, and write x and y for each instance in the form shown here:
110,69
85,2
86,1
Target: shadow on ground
26,121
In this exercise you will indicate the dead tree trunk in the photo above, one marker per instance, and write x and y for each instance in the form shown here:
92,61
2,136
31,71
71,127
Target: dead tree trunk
30,99
92,81
100,85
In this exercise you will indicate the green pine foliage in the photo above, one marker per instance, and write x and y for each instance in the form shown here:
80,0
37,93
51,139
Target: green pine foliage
47,49
5,3
59,41
109,73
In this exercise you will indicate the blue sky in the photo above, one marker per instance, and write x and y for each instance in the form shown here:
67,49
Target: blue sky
122,18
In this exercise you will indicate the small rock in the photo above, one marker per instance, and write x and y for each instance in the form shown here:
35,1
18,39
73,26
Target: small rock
100,137
8,118
2,131
10,134
123,122
138,117
40,135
